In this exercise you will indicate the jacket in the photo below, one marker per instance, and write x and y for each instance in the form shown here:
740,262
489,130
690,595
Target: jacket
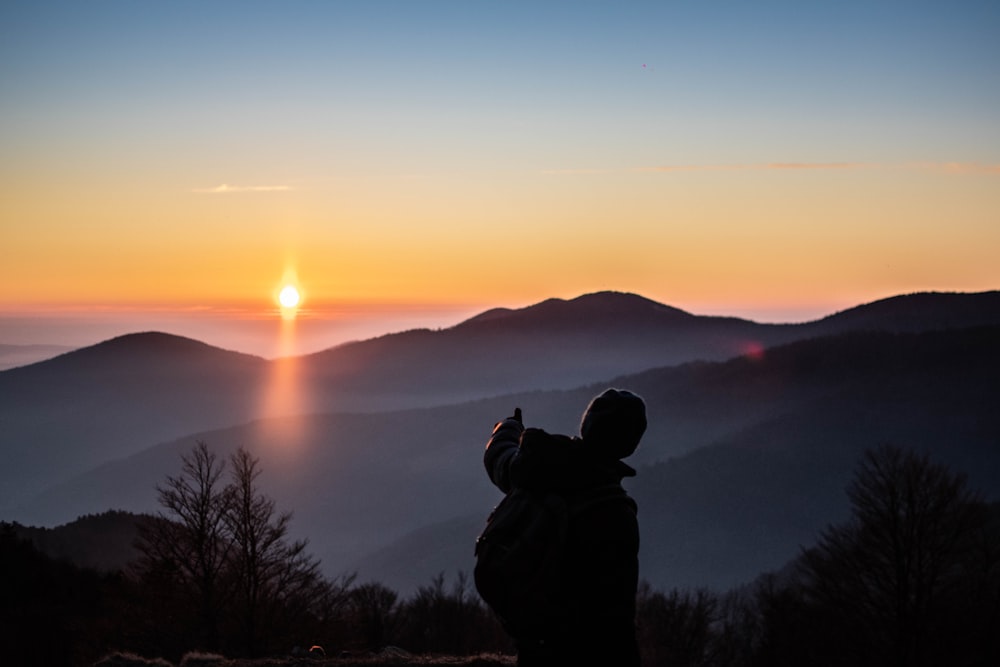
601,569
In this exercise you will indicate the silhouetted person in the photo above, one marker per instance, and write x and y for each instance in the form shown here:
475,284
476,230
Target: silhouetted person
601,569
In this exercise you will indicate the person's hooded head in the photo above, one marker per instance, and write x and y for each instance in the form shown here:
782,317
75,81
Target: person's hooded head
614,423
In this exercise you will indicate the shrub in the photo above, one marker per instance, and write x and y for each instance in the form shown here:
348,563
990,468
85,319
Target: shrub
198,659
121,659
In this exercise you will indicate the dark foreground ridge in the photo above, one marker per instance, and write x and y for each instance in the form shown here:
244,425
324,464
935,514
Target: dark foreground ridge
389,657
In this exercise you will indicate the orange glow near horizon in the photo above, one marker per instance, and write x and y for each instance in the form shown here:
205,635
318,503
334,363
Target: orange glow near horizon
491,179
712,237
717,238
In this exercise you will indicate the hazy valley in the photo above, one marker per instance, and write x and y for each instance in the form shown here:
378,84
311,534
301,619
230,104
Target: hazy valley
754,429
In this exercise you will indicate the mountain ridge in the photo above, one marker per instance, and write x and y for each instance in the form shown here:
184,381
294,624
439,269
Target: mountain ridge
744,460
77,412
553,312
903,311
66,414
15,356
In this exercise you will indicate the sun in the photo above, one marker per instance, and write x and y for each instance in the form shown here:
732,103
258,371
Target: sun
289,297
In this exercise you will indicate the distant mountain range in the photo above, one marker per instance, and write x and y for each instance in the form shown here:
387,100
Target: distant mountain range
754,429
12,356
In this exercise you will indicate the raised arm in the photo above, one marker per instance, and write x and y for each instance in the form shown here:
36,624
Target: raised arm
502,451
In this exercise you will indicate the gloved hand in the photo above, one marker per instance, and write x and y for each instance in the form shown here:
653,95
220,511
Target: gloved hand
516,417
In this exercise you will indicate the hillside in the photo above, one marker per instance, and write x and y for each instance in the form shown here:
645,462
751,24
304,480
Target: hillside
103,542
561,344
68,414
916,312
744,460
771,446
72,413
749,501
12,356
555,344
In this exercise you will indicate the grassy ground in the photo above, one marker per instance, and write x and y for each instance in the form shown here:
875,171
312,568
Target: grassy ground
386,659
378,661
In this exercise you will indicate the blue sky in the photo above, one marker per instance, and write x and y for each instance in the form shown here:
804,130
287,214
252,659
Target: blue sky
788,71
748,158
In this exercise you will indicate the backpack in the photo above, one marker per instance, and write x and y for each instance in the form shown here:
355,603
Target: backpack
520,556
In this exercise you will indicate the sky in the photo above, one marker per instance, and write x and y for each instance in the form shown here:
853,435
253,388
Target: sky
407,164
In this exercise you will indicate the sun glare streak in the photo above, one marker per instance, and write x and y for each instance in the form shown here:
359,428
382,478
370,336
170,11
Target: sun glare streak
284,402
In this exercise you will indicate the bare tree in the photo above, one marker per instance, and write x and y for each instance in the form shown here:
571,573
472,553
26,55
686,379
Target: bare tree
675,628
374,613
887,572
190,538
271,573
435,620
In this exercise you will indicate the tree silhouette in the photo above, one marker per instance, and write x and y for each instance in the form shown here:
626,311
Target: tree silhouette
219,556
675,628
885,581
268,569
191,539
373,607
435,620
